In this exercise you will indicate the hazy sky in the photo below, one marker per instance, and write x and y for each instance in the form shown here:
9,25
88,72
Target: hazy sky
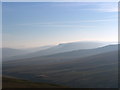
38,24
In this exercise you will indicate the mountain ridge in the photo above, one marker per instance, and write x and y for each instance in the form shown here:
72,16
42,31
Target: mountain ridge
60,48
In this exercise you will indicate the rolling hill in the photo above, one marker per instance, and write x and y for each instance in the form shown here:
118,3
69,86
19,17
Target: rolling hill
65,47
62,57
96,71
10,52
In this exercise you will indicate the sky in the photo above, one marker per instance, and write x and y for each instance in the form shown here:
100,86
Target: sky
60,0
34,24
0,26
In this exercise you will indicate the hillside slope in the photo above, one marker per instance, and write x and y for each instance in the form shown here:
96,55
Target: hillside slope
97,71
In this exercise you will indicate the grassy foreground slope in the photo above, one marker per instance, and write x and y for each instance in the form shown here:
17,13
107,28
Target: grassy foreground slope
8,82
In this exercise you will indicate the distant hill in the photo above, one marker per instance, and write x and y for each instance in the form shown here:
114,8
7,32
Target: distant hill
35,49
65,47
10,52
62,57
8,82
82,52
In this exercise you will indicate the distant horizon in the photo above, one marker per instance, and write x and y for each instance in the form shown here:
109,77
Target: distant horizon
108,43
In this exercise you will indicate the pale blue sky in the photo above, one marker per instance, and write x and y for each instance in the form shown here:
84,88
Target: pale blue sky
37,24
